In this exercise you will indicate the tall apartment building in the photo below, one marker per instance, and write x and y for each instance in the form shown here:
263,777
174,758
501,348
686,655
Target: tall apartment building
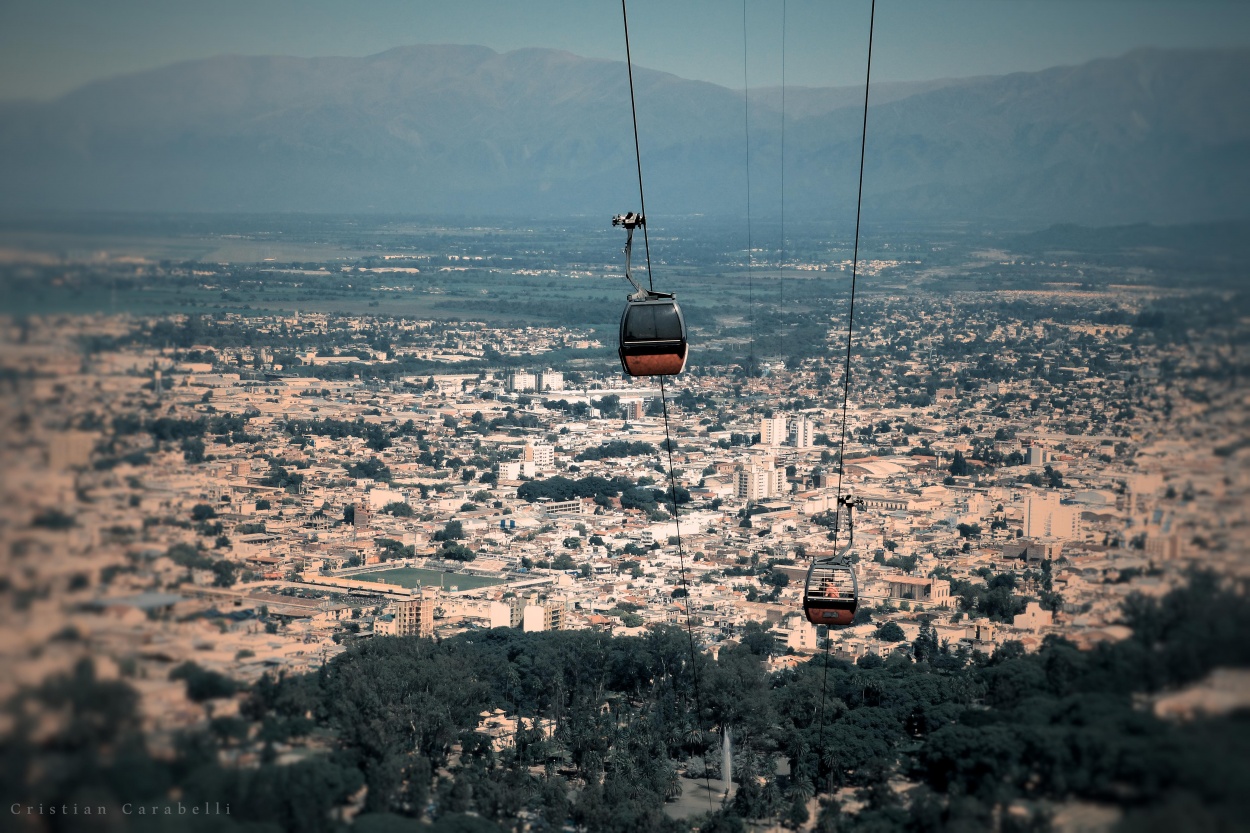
531,613
800,433
773,431
1046,517
415,616
555,614
635,409
541,456
759,480
803,434
551,380
522,380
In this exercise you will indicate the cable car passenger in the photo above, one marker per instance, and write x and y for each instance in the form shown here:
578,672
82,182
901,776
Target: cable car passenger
831,592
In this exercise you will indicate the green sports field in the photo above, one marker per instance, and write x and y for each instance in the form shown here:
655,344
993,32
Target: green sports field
414,576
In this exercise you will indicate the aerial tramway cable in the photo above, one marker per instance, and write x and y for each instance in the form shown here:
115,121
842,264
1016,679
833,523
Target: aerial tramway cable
652,338
781,258
668,442
846,373
746,135
633,110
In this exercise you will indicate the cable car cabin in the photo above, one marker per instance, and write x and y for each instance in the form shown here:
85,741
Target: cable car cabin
831,594
653,337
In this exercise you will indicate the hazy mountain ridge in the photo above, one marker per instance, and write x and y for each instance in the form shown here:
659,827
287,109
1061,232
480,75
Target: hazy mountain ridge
1225,241
1151,136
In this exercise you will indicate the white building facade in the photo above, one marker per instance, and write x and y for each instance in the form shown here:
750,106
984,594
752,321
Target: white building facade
773,431
522,380
759,480
803,434
1045,517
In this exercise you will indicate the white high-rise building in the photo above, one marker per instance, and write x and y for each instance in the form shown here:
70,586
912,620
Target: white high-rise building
773,430
415,616
758,481
522,380
803,435
1046,517
551,380
541,456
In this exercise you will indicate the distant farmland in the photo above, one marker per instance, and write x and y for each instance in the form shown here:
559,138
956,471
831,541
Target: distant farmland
414,576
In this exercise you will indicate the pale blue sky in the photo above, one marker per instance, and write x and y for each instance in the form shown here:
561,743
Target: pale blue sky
48,47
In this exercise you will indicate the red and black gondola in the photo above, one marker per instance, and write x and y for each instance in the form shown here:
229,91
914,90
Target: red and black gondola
831,592
653,337
652,340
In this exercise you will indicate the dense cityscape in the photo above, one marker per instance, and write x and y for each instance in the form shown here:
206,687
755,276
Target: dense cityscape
219,506
639,417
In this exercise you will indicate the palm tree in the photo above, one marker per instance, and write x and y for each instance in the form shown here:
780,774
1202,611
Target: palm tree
877,689
512,681
859,681
692,735
802,787
672,782
830,759
771,794
592,766
795,747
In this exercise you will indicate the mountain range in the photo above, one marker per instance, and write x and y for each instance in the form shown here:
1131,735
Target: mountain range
1152,136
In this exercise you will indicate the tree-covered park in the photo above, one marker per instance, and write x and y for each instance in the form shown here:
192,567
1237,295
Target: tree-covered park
932,737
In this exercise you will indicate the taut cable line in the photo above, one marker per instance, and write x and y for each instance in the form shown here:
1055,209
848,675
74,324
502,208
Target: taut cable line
746,134
846,373
668,441
642,199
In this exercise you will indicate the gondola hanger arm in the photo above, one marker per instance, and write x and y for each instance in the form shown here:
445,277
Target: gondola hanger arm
629,222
